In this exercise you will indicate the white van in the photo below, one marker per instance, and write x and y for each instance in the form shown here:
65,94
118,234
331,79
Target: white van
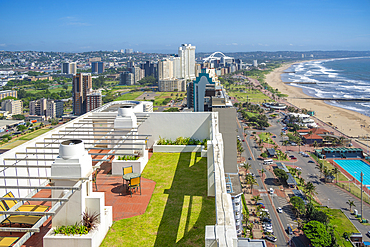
271,191
268,162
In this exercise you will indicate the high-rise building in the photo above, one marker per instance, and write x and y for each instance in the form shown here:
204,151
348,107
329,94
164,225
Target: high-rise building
81,87
50,109
187,55
69,68
93,100
59,108
206,93
129,51
138,73
165,69
38,107
14,107
255,64
172,85
7,93
97,67
127,78
151,69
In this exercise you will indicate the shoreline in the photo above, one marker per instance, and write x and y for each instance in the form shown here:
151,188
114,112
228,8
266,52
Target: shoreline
349,122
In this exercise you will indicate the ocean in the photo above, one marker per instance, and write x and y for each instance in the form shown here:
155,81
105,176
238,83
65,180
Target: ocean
335,78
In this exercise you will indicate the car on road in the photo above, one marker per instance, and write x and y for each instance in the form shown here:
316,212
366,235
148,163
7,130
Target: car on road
268,220
289,230
250,158
310,161
243,140
269,231
273,136
272,238
280,210
271,190
298,168
293,144
293,158
368,234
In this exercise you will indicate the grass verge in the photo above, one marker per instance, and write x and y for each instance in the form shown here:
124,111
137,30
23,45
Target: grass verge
340,223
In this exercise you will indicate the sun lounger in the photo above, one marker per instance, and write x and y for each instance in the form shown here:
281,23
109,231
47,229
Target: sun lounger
7,241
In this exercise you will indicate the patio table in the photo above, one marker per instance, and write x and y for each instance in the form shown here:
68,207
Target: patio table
127,177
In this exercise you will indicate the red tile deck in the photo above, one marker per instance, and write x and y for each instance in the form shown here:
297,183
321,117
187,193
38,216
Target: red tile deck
124,206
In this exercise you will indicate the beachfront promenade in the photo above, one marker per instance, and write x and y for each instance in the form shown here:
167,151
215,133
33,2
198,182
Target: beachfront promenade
327,194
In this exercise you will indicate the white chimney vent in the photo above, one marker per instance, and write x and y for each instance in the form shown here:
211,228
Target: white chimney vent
71,149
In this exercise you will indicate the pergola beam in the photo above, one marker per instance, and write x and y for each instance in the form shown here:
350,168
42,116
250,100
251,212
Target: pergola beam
18,229
27,213
34,199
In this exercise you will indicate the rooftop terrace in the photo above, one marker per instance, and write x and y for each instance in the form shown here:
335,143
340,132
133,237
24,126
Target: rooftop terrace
179,208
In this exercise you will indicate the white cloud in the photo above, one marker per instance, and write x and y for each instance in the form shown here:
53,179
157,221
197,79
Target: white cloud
234,43
2,45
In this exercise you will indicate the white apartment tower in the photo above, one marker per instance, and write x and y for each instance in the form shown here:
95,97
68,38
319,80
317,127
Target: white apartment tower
69,68
187,55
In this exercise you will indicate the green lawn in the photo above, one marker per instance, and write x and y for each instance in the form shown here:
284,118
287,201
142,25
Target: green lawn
265,135
34,134
254,96
163,95
52,90
179,208
23,138
129,96
340,223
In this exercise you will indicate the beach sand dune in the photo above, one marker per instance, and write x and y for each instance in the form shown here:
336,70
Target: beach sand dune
351,123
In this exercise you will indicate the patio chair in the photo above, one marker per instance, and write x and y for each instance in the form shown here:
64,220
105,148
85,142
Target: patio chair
8,241
10,203
135,183
127,169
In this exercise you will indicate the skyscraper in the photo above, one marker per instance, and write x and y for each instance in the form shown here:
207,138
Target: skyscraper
69,68
81,87
187,55
97,67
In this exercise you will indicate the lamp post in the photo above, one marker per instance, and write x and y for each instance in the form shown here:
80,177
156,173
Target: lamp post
362,204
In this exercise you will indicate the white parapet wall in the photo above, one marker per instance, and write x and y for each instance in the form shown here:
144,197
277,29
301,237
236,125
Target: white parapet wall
176,148
137,165
94,203
195,125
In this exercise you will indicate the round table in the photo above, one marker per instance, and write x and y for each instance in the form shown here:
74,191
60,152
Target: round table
129,176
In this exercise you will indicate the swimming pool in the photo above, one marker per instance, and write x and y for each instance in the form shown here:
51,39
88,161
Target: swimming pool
358,166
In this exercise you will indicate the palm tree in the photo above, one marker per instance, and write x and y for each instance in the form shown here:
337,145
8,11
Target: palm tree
299,173
301,181
252,182
310,188
321,167
335,171
262,172
315,144
351,204
247,166
256,199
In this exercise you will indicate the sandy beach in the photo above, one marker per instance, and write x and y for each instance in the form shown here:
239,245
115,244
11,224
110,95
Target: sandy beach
348,122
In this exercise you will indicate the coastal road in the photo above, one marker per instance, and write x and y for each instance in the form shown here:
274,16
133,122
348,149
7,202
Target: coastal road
271,202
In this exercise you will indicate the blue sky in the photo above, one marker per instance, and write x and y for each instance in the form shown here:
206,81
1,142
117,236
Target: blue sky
161,26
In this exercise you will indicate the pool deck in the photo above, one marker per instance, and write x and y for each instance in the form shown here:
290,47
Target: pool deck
347,174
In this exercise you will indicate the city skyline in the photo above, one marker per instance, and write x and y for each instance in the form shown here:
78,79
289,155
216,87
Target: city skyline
161,26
